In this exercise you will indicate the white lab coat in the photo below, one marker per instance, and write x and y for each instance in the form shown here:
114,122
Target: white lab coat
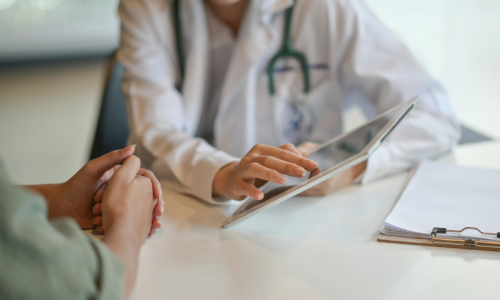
353,58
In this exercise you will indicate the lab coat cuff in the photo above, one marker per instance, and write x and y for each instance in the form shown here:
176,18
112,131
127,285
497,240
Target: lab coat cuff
215,163
360,177
377,165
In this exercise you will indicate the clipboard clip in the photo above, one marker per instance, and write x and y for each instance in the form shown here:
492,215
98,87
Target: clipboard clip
461,242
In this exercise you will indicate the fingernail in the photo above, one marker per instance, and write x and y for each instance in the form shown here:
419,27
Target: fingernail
99,228
162,209
93,210
300,171
93,221
128,148
159,221
260,196
280,178
313,165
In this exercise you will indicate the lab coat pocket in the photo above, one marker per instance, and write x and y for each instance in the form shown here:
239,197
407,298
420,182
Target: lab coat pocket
291,118
298,116
325,112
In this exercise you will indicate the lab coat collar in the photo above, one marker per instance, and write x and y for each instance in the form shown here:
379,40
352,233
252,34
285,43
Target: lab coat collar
257,42
196,62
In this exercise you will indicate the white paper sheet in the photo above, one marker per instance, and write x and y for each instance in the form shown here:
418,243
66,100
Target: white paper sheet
446,195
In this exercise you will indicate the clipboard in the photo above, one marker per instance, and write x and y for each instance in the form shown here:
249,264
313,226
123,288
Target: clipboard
446,242
439,236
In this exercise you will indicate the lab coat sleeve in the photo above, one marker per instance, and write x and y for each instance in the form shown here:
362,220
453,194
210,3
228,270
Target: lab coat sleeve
51,260
155,107
375,66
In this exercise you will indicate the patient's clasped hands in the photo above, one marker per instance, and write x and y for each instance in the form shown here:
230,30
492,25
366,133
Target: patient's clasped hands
77,197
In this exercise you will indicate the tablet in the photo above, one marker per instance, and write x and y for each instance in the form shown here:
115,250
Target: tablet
332,157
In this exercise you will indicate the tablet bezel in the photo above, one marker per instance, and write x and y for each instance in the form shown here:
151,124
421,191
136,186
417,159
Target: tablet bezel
403,110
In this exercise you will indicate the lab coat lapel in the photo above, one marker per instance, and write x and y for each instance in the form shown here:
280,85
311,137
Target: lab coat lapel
195,82
258,41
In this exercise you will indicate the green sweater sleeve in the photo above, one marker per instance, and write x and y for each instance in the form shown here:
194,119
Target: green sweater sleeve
50,260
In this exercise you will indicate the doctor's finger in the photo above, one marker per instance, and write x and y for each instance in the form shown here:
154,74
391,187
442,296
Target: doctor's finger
281,166
248,189
290,147
290,157
255,170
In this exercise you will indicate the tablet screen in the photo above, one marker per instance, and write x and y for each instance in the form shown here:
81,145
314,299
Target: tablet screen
328,156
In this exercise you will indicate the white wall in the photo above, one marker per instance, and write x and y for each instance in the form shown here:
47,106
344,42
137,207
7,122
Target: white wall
458,41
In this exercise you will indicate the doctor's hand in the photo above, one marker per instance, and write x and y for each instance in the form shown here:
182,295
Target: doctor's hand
263,163
336,182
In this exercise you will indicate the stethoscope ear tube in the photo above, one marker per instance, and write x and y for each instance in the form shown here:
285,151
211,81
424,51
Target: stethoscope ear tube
178,40
288,50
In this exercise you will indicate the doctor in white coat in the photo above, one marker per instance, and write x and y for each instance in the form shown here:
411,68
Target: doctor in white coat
198,126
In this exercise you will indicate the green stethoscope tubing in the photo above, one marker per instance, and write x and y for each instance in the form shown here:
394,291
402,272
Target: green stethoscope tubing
287,49
178,39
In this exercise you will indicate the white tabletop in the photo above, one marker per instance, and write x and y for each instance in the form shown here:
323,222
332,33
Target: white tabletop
308,248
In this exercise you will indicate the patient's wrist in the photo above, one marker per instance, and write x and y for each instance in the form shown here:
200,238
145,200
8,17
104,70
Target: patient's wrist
51,193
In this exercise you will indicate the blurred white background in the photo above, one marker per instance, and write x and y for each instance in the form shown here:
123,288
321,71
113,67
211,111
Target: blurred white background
48,110
458,42
57,28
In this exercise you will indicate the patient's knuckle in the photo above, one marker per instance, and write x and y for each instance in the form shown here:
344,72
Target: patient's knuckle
144,181
135,159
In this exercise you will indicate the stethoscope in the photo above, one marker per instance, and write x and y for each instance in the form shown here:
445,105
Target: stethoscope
287,50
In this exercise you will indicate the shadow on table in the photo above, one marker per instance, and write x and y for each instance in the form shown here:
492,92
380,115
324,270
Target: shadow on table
465,254
279,229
